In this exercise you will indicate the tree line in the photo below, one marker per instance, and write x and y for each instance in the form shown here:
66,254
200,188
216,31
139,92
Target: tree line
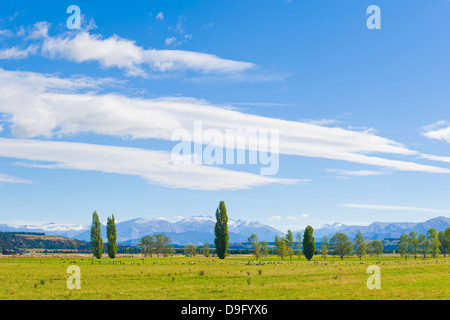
339,245
432,243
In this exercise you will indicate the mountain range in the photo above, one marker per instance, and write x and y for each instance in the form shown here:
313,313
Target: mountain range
198,229
194,230
382,230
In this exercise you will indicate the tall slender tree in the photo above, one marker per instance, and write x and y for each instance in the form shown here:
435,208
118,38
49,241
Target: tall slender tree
264,248
309,246
360,245
96,238
111,234
413,244
221,231
324,247
424,245
290,242
299,245
444,239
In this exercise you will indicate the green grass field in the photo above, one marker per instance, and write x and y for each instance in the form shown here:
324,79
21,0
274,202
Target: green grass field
209,278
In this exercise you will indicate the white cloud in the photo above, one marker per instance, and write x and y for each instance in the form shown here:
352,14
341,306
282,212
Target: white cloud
321,122
153,166
117,52
15,53
435,158
160,16
302,216
274,218
170,41
391,208
358,173
439,130
5,178
6,33
42,105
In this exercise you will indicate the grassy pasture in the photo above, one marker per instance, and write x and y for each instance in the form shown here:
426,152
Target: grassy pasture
202,278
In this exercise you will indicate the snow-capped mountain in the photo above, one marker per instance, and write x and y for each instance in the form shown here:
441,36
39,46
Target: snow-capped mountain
194,230
51,228
198,229
382,230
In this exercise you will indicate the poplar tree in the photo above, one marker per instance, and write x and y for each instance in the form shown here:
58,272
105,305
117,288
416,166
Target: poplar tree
424,245
444,239
324,247
290,242
413,244
403,246
111,234
360,249
221,231
309,247
96,238
265,248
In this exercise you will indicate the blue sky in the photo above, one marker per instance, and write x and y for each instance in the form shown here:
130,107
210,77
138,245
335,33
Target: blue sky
86,116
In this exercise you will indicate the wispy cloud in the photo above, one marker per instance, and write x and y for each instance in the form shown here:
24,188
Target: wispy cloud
295,218
117,52
43,105
391,208
357,173
17,54
321,122
153,166
170,41
274,218
439,130
5,178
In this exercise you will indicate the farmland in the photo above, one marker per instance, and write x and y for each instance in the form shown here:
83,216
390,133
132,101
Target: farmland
236,277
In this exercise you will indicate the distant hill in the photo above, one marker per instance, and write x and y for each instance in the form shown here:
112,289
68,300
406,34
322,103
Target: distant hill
11,241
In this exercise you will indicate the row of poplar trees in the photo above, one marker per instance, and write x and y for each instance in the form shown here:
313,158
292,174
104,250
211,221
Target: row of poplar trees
96,238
